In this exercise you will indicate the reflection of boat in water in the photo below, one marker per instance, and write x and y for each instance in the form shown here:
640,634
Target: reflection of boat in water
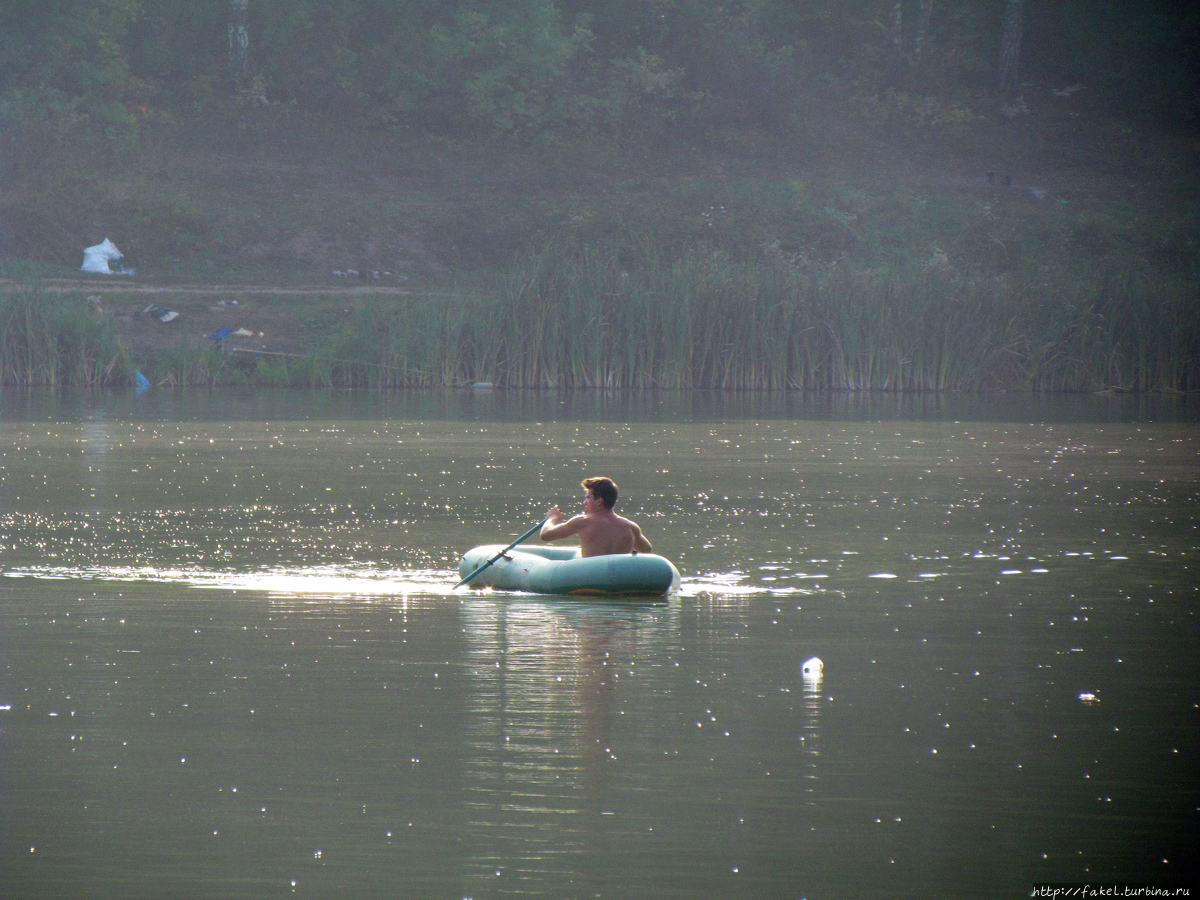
555,693
561,570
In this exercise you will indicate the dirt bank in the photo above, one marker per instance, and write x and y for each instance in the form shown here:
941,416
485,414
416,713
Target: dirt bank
243,317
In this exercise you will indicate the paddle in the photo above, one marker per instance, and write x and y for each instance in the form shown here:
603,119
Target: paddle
537,527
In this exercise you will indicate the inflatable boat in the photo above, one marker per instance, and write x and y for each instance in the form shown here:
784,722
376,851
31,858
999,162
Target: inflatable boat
561,570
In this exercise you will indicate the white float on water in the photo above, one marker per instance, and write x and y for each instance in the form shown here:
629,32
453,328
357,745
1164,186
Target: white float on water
812,668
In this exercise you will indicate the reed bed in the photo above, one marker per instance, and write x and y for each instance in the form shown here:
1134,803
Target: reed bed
411,341
200,364
622,317
46,339
636,315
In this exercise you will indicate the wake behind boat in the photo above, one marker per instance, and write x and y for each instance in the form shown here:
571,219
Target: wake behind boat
561,570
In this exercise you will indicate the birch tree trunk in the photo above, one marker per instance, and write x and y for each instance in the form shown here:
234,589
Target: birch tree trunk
239,42
904,67
894,62
922,34
897,36
1010,46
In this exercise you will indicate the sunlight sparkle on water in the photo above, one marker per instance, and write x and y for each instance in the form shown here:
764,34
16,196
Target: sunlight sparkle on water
319,581
142,573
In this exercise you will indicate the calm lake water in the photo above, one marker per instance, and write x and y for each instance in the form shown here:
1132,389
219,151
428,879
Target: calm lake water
232,664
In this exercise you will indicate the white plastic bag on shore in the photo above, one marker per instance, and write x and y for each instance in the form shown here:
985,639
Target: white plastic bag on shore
96,259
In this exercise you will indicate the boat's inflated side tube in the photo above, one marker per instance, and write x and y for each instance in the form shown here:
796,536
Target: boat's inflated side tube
561,570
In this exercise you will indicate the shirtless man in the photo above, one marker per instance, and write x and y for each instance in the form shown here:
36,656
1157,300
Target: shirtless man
601,531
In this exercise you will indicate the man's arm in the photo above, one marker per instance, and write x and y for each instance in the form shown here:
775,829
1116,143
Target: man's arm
555,529
640,544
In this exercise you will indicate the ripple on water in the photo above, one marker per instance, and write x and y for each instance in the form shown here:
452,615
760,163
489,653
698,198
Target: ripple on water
356,581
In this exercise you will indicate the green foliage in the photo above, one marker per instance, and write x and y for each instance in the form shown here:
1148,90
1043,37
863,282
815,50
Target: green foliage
271,374
537,67
637,315
69,60
500,66
633,317
200,364
766,276
179,42
413,341
1140,59
76,47
55,340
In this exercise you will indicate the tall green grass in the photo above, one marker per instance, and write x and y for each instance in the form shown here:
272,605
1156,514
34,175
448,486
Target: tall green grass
638,316
410,341
47,339
201,364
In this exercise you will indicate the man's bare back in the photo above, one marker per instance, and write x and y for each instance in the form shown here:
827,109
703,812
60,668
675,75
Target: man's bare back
601,531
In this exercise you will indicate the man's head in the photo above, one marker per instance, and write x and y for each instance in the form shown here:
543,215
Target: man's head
603,489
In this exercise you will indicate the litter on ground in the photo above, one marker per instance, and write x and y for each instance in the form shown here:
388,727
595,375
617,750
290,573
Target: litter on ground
163,315
96,258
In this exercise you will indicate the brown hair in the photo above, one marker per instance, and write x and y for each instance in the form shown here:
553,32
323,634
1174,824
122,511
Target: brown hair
604,488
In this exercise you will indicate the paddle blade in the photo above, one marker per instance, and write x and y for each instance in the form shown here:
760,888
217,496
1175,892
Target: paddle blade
476,572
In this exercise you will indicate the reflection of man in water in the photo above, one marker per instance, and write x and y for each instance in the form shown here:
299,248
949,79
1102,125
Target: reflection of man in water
601,531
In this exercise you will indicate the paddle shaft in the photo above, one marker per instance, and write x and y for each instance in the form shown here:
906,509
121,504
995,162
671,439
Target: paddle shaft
537,527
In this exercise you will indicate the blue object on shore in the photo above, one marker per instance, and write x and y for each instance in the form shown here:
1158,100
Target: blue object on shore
220,334
561,570
140,380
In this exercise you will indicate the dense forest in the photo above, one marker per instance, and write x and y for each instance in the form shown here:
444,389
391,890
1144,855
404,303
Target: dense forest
755,194
540,67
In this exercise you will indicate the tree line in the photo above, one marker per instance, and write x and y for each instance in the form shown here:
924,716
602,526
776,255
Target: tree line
558,66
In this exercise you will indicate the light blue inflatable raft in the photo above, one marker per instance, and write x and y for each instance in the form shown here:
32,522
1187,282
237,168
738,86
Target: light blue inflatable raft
561,570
